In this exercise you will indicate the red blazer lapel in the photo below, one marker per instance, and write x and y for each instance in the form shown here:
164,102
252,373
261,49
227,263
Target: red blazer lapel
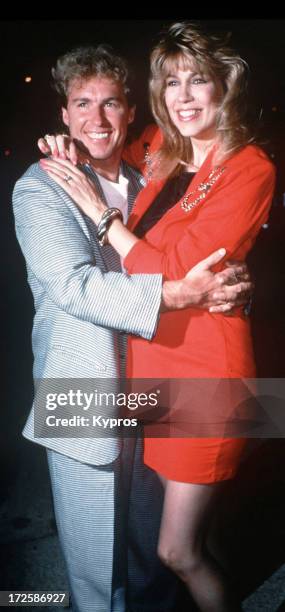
203,173
148,194
143,201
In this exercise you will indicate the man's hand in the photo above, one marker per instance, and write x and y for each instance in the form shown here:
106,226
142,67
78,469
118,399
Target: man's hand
201,288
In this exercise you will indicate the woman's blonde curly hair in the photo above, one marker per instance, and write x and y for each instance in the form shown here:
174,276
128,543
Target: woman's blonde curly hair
186,45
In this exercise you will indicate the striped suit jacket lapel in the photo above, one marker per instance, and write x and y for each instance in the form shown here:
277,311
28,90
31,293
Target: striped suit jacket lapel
136,183
109,256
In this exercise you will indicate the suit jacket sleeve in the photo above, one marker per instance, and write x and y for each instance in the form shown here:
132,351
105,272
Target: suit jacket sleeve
59,254
230,216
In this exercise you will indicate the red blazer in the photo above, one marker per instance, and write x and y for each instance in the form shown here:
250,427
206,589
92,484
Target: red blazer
193,342
137,152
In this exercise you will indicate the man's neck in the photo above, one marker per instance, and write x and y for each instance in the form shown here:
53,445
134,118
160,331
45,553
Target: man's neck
109,171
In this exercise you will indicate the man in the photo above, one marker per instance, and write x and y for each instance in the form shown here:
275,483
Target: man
84,304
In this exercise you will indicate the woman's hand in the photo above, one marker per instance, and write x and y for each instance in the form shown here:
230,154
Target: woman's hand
63,147
78,186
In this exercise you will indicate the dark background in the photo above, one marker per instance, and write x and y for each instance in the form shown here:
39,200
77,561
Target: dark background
30,48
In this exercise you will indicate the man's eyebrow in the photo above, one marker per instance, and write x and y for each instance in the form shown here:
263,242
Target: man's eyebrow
81,99
103,101
112,99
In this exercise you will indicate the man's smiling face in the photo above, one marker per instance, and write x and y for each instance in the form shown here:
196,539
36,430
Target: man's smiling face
97,114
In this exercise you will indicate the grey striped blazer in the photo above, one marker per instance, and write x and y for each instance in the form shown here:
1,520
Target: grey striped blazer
82,301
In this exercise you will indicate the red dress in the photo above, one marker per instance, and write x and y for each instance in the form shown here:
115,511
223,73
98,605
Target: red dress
194,343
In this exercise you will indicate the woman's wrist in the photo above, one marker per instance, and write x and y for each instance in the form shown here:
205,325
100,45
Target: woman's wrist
107,218
96,213
121,238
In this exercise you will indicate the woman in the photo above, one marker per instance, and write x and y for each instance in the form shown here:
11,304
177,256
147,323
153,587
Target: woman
209,184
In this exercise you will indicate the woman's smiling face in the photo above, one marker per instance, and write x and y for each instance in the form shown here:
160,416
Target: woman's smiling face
193,100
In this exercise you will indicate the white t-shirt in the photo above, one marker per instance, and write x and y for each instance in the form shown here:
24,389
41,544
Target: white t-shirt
116,194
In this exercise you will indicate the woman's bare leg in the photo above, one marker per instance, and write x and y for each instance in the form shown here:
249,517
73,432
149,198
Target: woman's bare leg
185,520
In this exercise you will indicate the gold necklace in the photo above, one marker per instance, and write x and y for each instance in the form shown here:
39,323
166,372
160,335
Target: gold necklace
204,187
